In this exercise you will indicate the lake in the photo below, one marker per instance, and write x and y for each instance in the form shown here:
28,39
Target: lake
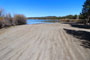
39,21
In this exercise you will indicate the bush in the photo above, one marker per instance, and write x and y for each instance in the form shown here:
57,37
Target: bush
7,20
2,22
19,19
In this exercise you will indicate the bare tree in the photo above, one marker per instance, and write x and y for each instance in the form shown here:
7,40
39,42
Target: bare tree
1,12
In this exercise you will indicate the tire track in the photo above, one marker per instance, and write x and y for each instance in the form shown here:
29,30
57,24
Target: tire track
40,42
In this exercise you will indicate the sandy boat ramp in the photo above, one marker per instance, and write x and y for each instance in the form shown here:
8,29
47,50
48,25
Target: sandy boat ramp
41,42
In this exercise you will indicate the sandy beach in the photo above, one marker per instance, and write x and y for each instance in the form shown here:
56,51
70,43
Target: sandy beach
42,42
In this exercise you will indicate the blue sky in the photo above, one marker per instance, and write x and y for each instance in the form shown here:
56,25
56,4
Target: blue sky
38,8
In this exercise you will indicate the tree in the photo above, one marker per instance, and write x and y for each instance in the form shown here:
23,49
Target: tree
86,8
86,12
2,12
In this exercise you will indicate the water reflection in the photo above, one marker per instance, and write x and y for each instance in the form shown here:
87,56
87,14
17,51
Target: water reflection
37,21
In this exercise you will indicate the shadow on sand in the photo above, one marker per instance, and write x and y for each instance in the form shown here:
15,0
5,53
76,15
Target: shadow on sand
81,26
78,25
82,35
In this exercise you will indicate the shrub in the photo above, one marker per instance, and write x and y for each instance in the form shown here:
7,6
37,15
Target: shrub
2,19
19,19
1,22
8,20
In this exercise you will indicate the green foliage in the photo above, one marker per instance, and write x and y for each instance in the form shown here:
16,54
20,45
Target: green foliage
54,17
86,12
86,9
71,17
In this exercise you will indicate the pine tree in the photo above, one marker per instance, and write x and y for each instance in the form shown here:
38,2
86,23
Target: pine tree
86,9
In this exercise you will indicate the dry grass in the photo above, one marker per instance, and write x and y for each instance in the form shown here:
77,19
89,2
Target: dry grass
72,20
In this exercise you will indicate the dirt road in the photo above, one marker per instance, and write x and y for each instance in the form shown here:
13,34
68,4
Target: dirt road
41,42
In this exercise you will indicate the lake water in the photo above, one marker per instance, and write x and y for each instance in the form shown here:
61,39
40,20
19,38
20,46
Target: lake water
39,21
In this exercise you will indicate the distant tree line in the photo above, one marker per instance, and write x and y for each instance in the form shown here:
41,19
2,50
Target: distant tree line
55,17
84,15
7,20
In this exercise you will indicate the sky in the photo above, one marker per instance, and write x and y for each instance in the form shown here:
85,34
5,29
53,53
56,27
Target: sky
41,8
